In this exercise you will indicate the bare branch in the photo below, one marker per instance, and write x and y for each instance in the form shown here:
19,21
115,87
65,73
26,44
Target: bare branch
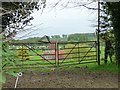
57,3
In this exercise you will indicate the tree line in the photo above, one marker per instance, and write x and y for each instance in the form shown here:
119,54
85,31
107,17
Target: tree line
77,37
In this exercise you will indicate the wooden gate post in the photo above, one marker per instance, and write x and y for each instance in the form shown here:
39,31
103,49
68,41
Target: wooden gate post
98,31
56,53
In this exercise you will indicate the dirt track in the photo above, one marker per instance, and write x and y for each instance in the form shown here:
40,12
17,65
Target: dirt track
65,79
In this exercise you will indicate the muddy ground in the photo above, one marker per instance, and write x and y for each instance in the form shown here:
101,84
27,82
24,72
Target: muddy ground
64,79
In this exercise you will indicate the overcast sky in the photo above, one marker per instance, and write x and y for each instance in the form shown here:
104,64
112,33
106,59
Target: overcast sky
54,21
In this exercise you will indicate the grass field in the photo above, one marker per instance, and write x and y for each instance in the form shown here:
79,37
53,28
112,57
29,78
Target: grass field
36,63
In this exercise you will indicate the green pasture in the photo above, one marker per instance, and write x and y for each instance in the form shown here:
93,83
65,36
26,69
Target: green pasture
36,63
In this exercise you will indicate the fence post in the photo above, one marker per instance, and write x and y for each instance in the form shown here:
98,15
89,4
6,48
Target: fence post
56,54
98,31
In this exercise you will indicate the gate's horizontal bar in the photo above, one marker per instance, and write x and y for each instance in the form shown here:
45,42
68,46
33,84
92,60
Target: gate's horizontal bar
66,64
49,54
89,51
89,56
33,49
37,60
77,57
36,55
38,64
68,61
88,62
76,63
75,42
51,42
67,58
68,53
33,55
74,53
78,47
48,48
92,59
22,60
29,43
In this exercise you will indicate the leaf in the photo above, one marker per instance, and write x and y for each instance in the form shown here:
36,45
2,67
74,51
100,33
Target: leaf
12,73
4,64
2,78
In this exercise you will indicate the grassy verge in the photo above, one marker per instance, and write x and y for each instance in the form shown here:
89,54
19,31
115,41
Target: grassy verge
93,67
106,68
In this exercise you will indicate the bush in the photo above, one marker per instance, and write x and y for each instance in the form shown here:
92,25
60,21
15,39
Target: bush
9,58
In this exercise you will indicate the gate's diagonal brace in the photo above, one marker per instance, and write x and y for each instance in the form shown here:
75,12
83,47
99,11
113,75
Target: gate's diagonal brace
68,53
38,54
88,51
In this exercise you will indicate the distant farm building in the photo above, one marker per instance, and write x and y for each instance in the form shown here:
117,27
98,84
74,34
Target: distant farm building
53,53
53,45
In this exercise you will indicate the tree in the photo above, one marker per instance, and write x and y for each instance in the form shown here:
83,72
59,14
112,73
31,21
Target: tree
112,10
15,16
78,37
108,39
64,36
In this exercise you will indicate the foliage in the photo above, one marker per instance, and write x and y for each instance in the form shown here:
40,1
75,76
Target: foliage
81,37
108,35
111,15
15,16
114,9
9,58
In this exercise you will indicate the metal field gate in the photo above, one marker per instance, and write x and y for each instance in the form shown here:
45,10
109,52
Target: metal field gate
77,53
54,53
